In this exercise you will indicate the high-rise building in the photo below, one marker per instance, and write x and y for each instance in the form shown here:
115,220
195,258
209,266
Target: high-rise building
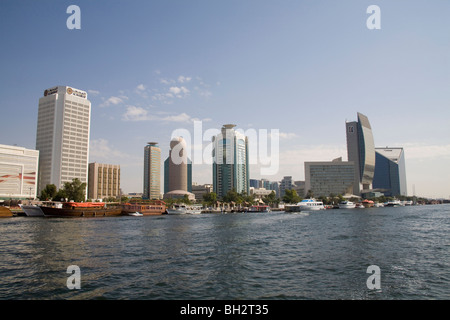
177,167
62,136
286,184
329,177
18,172
361,150
152,171
230,161
104,181
390,171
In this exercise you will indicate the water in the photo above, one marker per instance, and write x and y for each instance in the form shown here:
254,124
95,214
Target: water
320,255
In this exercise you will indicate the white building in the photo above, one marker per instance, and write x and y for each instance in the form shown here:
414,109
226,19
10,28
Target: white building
62,137
18,172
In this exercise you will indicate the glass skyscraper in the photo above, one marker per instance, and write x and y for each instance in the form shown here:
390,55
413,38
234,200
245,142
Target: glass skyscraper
230,161
152,171
390,171
361,150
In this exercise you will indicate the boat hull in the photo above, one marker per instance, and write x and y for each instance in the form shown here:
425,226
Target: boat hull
146,210
81,212
32,211
5,212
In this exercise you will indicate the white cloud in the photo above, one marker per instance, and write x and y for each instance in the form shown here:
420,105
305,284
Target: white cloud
135,114
423,151
113,101
140,87
94,92
101,150
179,92
183,79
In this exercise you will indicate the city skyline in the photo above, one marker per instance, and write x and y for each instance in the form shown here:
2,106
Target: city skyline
151,69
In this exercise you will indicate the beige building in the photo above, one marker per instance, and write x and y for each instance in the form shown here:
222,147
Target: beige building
104,181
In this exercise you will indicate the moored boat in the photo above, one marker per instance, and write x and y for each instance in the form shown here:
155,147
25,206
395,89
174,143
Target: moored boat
393,203
262,208
135,214
5,212
80,209
154,208
347,205
183,209
32,210
310,205
367,203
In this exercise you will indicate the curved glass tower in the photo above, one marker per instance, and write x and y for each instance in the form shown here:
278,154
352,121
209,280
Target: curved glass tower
361,150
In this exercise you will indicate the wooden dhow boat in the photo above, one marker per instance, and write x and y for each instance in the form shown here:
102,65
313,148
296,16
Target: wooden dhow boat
80,209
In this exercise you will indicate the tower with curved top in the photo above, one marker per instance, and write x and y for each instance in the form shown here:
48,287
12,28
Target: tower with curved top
361,150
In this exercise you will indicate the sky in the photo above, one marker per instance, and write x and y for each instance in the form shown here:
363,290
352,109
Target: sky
161,68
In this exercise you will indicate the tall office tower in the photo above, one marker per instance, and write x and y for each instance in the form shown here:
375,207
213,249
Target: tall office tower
62,137
390,171
104,180
152,171
177,167
361,150
230,161
18,172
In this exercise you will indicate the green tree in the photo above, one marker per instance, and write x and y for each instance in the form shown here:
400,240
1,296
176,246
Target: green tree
75,190
271,198
48,193
291,196
210,198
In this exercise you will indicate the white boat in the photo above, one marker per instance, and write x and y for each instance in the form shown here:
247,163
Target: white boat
378,205
393,203
310,205
347,205
32,210
135,214
183,209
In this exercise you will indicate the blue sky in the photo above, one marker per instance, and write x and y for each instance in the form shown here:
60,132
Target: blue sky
302,67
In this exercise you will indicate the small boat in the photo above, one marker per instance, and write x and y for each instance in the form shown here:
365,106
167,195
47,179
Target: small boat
135,214
347,205
183,209
310,205
367,203
378,205
32,210
153,208
359,206
260,209
393,203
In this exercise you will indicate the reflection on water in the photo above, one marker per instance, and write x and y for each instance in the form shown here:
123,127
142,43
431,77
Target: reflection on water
321,255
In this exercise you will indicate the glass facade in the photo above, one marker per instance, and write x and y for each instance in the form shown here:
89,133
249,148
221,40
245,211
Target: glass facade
390,173
230,162
152,171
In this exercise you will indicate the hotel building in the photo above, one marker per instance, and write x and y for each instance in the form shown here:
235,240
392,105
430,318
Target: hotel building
324,178
152,171
361,150
18,172
230,161
390,171
62,136
104,181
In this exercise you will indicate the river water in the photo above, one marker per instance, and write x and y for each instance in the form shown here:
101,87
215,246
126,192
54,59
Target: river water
277,255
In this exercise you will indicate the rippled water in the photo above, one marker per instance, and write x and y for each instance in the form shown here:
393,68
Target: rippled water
320,255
